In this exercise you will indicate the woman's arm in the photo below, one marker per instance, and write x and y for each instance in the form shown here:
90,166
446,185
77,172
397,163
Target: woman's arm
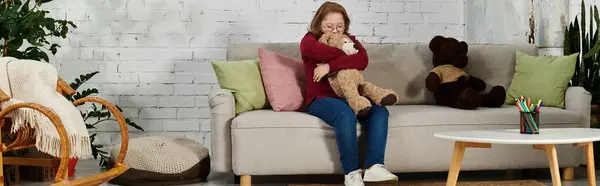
358,61
312,48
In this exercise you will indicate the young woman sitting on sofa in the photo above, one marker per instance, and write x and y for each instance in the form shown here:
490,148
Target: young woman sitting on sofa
323,103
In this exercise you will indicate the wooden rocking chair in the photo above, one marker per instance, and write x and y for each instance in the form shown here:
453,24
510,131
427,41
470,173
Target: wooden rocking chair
26,139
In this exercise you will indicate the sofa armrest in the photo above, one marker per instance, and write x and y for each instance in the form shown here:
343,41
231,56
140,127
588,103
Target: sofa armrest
579,100
222,111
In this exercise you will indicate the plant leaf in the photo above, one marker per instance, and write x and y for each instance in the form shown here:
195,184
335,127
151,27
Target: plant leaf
566,42
82,79
120,110
54,48
596,47
133,124
86,93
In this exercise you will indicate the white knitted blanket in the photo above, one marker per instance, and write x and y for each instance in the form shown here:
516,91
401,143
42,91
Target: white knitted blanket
35,82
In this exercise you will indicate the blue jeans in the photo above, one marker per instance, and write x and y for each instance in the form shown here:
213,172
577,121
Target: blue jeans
339,115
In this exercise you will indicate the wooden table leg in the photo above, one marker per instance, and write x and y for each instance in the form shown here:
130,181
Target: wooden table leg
457,157
589,155
553,160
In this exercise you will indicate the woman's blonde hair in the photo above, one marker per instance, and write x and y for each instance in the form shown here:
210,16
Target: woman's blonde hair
326,8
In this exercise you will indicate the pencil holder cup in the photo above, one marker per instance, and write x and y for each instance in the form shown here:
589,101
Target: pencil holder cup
529,122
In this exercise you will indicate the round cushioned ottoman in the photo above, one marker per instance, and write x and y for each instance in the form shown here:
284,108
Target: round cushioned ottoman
163,160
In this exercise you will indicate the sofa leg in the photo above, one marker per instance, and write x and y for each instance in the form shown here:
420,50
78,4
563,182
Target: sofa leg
245,180
569,173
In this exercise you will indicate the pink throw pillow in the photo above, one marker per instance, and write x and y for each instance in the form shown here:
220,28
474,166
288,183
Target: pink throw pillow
284,81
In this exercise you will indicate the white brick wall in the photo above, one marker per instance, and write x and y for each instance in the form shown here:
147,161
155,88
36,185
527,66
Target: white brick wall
154,54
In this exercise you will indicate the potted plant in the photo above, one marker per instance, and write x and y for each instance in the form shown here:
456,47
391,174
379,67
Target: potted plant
95,115
579,38
25,30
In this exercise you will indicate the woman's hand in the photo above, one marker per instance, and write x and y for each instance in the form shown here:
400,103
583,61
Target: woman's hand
321,70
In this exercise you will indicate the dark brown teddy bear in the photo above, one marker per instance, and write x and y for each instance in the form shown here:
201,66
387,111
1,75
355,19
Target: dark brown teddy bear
451,85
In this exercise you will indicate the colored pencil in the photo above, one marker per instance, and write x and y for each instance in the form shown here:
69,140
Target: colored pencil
518,104
522,126
535,125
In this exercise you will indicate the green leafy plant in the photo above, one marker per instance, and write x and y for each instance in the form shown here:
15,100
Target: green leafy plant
586,72
25,32
95,115
22,22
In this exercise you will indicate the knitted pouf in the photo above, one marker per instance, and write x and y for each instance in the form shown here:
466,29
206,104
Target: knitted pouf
162,160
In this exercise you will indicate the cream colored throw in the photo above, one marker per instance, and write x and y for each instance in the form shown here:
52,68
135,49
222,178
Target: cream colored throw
35,82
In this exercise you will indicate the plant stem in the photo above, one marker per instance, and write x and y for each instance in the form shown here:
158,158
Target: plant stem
97,122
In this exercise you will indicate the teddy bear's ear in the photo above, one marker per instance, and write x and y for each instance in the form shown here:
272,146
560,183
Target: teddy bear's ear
464,48
435,43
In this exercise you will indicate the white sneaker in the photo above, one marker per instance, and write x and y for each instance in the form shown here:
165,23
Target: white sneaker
378,173
354,178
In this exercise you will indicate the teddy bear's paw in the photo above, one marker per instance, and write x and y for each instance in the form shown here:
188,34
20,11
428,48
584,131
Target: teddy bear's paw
384,97
379,95
360,105
363,112
495,98
389,99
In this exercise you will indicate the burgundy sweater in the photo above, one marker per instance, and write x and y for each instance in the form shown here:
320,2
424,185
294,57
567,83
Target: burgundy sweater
314,52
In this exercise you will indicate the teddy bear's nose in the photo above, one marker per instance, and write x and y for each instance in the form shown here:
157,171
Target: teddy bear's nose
354,45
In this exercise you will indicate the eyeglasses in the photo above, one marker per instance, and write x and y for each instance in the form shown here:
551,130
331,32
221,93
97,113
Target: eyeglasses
337,28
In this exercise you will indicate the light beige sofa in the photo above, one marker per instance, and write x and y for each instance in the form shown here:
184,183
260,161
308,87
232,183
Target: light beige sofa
264,142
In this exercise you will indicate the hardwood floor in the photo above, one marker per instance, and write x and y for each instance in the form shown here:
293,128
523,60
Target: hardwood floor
86,168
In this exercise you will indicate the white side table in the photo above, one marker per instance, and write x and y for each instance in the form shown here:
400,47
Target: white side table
545,140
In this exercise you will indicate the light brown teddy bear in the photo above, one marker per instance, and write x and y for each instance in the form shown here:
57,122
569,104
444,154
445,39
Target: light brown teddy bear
350,84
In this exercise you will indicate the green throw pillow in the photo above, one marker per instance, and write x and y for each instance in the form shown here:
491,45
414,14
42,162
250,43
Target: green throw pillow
542,78
244,81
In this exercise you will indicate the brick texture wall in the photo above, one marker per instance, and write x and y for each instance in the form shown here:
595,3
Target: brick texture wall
153,55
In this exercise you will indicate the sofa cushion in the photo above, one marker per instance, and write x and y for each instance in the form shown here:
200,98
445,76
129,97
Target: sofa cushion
284,80
407,116
242,78
544,78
